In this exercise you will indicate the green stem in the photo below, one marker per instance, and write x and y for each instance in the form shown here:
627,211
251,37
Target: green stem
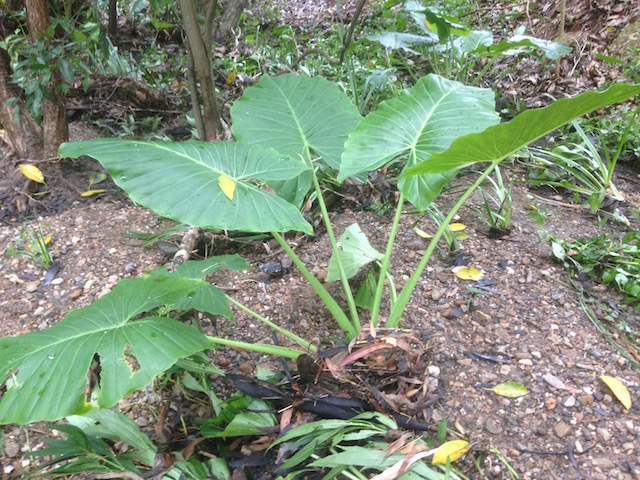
340,317
384,268
355,320
405,294
299,340
258,347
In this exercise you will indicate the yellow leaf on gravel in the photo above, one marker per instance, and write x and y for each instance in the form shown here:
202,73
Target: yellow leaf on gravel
468,273
457,227
422,233
227,186
510,389
452,450
618,389
31,172
91,193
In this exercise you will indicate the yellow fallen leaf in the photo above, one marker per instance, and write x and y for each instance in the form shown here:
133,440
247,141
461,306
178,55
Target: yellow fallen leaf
231,77
47,240
452,450
461,236
422,233
227,186
457,227
91,193
468,273
618,389
31,172
510,389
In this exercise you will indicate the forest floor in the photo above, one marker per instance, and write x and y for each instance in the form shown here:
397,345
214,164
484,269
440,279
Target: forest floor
530,329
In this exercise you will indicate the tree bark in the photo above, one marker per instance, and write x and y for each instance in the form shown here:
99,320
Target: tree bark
204,70
54,116
23,133
112,28
229,20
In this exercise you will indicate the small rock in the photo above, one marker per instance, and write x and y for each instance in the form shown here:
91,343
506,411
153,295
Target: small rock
129,267
465,362
526,261
488,377
554,381
561,429
32,286
526,361
586,399
629,445
569,401
142,421
492,427
57,281
550,403
433,370
437,293
11,449
75,293
480,316
75,240
603,462
39,310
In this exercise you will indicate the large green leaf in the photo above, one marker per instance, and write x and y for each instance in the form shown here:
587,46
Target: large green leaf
181,181
411,127
355,251
206,298
500,141
296,115
46,371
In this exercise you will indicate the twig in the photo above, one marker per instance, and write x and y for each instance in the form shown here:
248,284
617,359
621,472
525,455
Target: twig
188,244
316,51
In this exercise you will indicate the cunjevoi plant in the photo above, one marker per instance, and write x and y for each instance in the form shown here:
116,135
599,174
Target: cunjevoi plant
284,128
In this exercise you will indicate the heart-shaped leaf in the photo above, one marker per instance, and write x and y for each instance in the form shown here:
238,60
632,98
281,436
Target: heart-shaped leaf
500,141
46,372
297,116
355,252
411,127
182,181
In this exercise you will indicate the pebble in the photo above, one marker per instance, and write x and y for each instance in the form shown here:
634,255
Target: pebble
561,429
75,294
31,287
492,427
550,403
603,462
569,401
11,449
129,267
437,293
39,310
554,381
434,371
57,281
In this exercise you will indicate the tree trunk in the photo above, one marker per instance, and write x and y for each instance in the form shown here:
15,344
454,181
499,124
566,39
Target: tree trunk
54,115
112,29
211,113
229,20
23,133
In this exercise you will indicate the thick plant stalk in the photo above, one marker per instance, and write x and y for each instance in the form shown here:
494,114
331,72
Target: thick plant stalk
384,269
258,347
334,247
403,298
329,301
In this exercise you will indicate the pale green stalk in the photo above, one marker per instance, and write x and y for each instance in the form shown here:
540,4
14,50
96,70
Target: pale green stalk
355,320
340,317
258,347
292,336
384,268
405,294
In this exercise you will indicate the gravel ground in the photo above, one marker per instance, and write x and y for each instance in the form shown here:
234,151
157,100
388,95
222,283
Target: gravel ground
569,426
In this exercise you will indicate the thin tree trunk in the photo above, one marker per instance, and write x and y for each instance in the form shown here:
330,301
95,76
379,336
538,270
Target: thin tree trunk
112,28
204,70
23,133
229,20
54,115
